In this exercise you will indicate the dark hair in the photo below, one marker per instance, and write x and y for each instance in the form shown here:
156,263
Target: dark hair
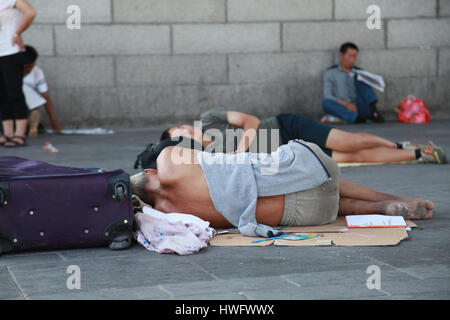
30,55
348,45
166,134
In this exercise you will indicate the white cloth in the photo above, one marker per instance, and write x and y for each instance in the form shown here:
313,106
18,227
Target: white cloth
9,22
172,232
36,80
32,98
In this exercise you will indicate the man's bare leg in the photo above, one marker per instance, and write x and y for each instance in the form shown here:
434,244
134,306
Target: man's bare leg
380,154
343,141
34,119
357,199
413,208
351,190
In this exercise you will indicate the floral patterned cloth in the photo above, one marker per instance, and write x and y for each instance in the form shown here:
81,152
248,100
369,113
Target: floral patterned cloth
172,232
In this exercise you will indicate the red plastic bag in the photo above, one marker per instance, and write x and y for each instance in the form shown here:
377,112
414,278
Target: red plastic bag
412,110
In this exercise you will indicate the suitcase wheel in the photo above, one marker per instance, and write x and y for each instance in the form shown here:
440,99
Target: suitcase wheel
119,234
121,241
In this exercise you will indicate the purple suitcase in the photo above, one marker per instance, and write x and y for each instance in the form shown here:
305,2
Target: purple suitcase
43,206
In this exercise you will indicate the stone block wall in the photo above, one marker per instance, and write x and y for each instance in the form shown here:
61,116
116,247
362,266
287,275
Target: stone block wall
137,63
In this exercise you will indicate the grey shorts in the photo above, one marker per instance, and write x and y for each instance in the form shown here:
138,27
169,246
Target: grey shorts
315,206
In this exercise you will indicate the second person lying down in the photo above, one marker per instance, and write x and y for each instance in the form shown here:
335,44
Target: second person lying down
340,145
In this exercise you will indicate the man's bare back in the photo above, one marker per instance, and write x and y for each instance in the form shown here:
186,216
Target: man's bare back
183,188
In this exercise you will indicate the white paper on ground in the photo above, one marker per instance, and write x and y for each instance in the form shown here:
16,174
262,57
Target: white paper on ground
375,221
85,131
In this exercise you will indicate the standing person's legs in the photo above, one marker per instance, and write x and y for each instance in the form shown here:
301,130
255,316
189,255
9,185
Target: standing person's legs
5,112
336,109
14,106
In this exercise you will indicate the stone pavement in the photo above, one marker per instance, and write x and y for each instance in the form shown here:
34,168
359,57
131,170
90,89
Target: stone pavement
417,268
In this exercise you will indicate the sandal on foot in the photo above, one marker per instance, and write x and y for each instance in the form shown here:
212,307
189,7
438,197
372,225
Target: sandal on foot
6,139
16,143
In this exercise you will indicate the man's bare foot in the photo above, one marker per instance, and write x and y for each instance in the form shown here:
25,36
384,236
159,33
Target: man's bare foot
409,208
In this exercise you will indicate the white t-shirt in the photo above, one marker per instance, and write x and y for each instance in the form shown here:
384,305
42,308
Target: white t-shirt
36,80
9,22
33,83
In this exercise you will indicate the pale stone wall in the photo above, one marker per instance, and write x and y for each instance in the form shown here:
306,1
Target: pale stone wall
140,63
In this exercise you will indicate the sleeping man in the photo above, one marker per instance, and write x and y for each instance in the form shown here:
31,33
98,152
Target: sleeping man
294,186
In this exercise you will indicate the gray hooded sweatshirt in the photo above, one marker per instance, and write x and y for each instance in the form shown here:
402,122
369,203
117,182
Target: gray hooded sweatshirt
236,181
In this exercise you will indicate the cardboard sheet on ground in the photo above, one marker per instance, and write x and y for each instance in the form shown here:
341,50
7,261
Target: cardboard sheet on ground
358,164
335,233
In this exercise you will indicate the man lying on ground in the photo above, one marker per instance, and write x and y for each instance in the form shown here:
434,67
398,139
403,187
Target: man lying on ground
340,145
294,186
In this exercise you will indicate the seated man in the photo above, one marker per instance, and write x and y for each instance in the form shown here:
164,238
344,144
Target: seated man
294,186
340,145
34,78
344,96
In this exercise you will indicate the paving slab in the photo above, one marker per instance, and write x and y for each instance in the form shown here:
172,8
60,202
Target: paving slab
8,288
417,268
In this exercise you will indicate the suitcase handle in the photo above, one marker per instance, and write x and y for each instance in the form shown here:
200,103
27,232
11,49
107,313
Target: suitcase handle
119,187
120,191
4,194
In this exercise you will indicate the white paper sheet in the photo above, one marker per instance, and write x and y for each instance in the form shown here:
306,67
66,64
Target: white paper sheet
375,221
371,79
84,131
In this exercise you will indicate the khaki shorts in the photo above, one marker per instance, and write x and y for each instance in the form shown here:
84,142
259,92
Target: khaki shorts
315,206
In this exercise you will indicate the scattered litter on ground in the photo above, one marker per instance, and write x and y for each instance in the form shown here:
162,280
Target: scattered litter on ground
50,148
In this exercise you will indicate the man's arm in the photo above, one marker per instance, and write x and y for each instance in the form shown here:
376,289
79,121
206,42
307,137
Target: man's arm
49,107
174,163
328,93
328,87
249,124
28,16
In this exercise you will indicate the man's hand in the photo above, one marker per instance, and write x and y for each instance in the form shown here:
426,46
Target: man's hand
29,13
56,126
350,106
49,107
